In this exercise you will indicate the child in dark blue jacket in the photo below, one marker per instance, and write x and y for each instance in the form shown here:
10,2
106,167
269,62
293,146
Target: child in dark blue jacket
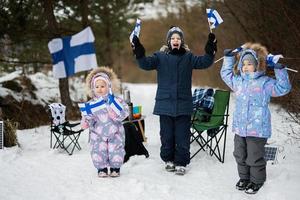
174,64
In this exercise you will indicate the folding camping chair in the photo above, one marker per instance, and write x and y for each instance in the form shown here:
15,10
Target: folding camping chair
62,131
211,135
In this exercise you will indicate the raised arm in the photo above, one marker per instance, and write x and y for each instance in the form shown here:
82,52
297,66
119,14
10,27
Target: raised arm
146,63
281,85
226,72
202,62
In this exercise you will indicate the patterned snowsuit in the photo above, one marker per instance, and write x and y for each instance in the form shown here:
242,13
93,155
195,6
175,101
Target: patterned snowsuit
107,136
252,118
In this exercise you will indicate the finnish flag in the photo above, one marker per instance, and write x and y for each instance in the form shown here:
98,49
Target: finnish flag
72,54
273,59
239,49
136,31
91,107
214,18
116,106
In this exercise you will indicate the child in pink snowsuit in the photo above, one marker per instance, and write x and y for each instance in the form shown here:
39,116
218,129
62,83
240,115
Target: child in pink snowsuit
107,135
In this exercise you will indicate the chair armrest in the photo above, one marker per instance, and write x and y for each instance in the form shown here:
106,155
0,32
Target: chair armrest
68,124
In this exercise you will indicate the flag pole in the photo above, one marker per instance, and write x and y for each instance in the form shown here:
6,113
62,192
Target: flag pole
292,70
209,26
219,59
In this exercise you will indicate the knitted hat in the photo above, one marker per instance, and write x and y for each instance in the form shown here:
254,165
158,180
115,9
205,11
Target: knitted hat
250,57
175,29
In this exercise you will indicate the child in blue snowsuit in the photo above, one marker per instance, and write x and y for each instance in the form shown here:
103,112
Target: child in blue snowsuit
252,118
174,64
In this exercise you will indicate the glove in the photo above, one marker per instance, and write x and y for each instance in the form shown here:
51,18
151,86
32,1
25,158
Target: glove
228,52
211,45
276,66
137,48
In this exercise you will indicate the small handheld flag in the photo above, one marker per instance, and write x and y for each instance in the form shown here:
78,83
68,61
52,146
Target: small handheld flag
273,59
136,31
115,105
237,50
213,17
72,54
91,107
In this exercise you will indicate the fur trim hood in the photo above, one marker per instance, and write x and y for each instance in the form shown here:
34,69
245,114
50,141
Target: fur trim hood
166,49
115,82
261,55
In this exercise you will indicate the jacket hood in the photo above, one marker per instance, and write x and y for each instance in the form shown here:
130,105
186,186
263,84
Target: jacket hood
260,54
166,49
115,82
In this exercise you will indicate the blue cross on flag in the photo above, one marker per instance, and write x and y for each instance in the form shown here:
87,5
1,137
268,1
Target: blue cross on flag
213,18
72,54
91,107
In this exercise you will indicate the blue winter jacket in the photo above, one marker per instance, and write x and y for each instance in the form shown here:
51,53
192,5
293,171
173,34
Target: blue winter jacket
252,115
174,79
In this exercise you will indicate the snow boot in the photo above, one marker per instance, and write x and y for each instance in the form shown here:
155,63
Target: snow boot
252,188
242,184
103,173
114,172
170,167
180,170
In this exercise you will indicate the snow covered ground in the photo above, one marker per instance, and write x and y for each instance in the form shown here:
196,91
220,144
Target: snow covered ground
33,171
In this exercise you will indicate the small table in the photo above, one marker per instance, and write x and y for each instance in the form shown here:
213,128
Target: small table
140,124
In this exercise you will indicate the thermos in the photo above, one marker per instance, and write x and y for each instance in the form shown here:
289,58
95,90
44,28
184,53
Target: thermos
126,96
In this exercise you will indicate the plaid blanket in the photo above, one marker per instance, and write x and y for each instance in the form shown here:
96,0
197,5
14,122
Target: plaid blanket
203,98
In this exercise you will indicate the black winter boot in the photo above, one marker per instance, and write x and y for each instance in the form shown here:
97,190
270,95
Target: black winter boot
242,184
252,188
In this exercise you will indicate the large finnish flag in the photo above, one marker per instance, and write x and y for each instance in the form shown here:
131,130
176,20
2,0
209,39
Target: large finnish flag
72,54
214,18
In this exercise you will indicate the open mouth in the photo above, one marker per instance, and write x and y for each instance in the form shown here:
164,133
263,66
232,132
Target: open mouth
176,46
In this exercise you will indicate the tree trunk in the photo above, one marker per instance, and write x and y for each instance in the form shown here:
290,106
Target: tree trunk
84,12
63,82
108,48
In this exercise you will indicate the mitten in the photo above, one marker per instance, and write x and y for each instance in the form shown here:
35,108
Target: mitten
228,52
211,44
137,48
276,66
84,122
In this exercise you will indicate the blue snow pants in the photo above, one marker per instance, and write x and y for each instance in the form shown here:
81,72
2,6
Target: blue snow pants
175,139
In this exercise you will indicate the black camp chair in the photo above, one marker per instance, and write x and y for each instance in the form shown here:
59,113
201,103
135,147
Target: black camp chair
62,133
211,135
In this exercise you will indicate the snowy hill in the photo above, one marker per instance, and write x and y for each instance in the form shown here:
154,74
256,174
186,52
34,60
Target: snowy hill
33,171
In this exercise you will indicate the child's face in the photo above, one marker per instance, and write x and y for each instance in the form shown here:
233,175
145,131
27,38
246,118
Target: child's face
248,66
175,41
101,88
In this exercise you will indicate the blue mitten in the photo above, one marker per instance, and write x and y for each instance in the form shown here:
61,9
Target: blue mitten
228,52
276,66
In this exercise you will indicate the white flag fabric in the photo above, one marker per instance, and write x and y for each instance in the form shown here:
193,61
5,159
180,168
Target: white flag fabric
214,18
273,59
136,31
72,54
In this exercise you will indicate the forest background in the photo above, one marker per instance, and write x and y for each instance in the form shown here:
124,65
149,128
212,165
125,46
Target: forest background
26,27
